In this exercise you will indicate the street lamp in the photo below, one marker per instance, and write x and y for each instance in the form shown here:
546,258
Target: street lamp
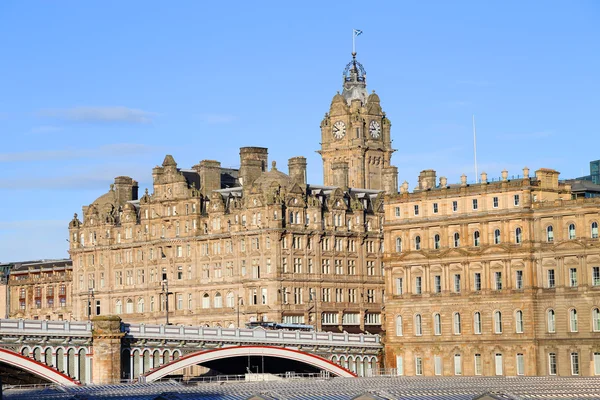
166,293
238,311
312,297
90,298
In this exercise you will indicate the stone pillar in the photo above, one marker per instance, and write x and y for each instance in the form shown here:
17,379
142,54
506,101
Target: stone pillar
106,341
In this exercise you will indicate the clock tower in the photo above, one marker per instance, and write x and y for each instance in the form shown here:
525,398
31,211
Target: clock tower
355,137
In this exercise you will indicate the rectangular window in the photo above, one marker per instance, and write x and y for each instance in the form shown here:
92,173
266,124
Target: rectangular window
475,205
397,211
457,283
573,277
596,276
437,364
596,363
435,208
517,200
477,281
457,365
416,209
520,364
519,280
418,365
552,363
574,363
498,363
399,289
455,206
551,281
418,280
437,284
498,280
495,202
478,364
399,365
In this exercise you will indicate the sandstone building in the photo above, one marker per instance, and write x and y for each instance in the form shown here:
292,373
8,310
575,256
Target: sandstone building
223,246
493,278
38,290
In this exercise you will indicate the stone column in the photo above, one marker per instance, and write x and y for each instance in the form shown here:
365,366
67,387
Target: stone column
106,341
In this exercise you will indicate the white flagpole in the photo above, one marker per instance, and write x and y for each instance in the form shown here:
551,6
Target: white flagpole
353,42
475,149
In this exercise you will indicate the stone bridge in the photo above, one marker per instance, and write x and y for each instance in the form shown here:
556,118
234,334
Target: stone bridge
107,350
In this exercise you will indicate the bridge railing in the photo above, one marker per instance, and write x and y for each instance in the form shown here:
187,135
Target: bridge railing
248,335
44,327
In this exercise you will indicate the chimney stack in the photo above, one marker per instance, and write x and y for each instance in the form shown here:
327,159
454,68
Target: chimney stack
297,169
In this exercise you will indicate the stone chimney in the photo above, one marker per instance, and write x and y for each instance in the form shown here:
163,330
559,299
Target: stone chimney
210,176
427,179
390,180
548,178
340,174
526,173
253,162
297,169
126,189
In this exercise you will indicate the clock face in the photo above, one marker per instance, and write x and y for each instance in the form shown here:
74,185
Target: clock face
339,130
375,129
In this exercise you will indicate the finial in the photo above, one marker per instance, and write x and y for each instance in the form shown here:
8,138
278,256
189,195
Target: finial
373,90
273,166
146,192
353,54
75,216
112,187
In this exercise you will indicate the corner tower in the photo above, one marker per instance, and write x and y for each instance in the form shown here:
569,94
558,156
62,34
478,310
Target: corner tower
356,131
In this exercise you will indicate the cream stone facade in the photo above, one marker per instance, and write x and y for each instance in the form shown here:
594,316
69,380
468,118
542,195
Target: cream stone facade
493,278
40,290
249,244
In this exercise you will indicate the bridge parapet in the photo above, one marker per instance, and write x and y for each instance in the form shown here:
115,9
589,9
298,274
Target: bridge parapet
44,327
256,335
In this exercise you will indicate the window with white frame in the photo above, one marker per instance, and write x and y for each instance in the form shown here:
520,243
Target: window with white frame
418,288
573,277
596,319
572,234
475,205
550,234
456,239
518,279
457,325
478,365
499,364
436,242
495,202
457,364
399,288
435,208
597,363
520,364
518,235
498,280
205,301
418,325
416,208
437,324
497,322
398,245
476,240
477,281
477,323
417,242
519,321
437,283
457,283
330,318
594,230
573,326
551,321
551,281
418,365
399,330
351,319
437,364
455,206
397,211
595,276
574,363
517,200
497,236
399,365
551,363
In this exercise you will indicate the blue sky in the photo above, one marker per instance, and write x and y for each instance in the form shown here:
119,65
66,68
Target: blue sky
93,90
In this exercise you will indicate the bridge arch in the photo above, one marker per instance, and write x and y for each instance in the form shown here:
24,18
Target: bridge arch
36,368
243,351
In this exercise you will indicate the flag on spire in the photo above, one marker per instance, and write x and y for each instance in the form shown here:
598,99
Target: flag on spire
357,32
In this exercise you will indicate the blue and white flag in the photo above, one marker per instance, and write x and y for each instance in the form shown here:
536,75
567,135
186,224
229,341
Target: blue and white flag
357,32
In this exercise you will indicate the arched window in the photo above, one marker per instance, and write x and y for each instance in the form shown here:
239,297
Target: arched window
398,245
476,238
497,236
140,305
230,301
596,320
457,327
551,317
519,321
456,239
498,322
477,323
205,301
436,241
118,307
218,300
550,234
594,230
129,306
572,234
573,320
418,325
518,235
417,242
399,325
437,324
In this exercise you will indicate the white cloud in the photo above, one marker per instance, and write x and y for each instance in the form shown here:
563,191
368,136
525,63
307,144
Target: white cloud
110,150
217,118
99,114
